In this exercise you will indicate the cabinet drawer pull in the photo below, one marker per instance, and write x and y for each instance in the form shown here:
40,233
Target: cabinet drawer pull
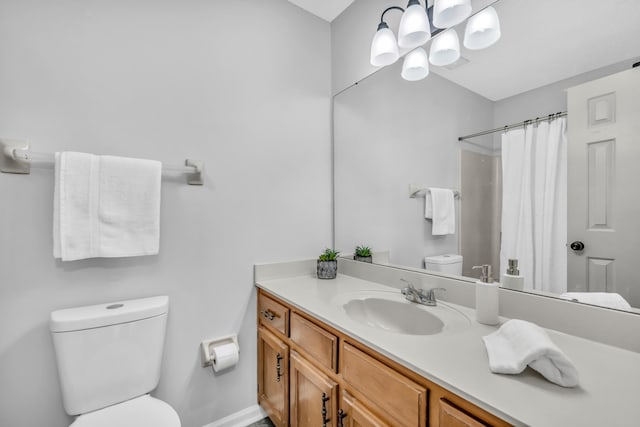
341,416
278,373
268,314
325,420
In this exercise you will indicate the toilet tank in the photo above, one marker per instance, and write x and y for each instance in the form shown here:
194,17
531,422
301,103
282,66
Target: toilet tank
448,263
108,353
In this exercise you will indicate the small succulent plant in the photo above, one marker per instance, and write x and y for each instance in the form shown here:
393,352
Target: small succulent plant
328,255
363,251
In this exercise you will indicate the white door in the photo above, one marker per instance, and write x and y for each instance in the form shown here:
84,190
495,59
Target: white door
603,203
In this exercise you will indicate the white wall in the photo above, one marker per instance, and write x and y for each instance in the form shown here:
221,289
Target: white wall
389,133
243,86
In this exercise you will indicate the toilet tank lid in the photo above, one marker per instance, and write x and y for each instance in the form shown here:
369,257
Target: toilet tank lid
444,259
113,313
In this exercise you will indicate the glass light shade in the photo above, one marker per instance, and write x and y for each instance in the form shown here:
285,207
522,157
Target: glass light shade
384,48
483,29
416,65
414,28
447,13
445,49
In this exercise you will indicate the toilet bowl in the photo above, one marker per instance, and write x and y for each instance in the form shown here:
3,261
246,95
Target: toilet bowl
143,411
109,358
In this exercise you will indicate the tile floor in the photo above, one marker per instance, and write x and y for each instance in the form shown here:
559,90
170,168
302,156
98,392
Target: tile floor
266,422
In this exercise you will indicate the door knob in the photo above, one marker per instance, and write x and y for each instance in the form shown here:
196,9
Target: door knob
577,246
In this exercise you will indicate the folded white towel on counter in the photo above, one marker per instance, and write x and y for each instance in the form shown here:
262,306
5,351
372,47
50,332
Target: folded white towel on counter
603,299
519,343
439,206
105,206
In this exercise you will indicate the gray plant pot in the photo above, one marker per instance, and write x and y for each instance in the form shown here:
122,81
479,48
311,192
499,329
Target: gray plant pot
368,259
327,269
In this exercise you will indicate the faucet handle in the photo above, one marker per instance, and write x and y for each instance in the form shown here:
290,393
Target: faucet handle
431,292
408,288
406,281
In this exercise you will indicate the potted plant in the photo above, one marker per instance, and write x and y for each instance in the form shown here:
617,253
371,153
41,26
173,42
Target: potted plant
328,264
363,253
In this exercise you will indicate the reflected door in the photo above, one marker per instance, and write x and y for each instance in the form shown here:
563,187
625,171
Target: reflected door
603,203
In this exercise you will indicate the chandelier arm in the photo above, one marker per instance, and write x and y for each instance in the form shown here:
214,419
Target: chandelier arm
387,10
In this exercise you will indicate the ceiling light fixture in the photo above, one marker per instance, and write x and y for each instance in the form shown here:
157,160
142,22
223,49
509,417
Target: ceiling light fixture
445,49
416,65
419,24
447,13
483,29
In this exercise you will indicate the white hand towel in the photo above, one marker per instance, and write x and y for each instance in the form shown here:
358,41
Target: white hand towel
105,206
519,343
603,299
439,206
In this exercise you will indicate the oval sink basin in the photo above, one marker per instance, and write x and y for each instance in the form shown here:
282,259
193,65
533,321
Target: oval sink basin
392,313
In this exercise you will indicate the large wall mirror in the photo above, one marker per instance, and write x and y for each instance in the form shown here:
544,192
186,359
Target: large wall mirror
391,135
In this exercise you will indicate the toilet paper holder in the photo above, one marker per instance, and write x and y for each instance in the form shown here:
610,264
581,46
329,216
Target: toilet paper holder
206,347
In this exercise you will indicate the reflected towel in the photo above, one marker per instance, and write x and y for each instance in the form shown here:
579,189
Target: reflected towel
439,206
603,299
105,206
519,343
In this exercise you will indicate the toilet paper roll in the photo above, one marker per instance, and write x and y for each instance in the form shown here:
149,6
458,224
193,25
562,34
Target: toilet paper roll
224,356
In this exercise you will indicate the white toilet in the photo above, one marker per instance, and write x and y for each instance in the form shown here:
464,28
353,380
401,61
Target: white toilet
109,359
448,263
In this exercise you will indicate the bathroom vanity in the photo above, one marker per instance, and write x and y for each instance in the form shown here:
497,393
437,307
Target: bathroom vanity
334,379
321,363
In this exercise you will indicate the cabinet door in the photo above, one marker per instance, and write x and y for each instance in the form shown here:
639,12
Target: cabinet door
313,401
273,381
353,414
450,416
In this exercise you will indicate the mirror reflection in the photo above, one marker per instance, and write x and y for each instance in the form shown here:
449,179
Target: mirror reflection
555,193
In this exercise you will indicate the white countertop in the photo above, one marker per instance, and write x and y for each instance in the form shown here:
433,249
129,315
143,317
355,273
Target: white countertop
609,391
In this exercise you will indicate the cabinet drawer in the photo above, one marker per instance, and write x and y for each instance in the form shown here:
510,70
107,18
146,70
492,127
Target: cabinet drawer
400,398
450,416
319,344
273,315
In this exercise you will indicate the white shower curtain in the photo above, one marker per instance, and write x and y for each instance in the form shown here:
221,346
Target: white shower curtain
534,204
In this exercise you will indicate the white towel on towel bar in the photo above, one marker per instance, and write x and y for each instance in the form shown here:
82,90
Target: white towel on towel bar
105,206
519,343
439,206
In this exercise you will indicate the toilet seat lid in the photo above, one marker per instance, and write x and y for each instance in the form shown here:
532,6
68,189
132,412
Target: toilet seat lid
143,411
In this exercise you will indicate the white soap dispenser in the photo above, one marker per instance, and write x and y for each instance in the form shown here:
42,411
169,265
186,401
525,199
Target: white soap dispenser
512,278
486,297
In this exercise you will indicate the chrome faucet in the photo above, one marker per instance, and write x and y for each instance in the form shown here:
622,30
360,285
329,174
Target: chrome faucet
420,296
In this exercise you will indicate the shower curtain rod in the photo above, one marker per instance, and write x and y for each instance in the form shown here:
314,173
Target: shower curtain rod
515,125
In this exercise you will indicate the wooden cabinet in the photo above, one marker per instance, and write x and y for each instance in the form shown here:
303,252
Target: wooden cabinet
273,378
314,396
311,375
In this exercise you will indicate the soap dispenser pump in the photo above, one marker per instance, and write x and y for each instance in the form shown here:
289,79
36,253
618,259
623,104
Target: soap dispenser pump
486,297
512,278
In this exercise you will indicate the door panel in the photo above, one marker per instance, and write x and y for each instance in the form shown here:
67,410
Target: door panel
273,382
314,396
603,176
357,415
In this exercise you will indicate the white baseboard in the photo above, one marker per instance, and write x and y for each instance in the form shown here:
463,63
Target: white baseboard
241,418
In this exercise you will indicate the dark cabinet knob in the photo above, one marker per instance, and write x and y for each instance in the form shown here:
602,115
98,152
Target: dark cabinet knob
577,246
